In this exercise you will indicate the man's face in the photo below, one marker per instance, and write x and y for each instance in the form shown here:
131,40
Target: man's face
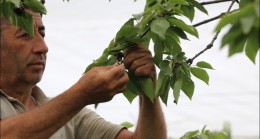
23,57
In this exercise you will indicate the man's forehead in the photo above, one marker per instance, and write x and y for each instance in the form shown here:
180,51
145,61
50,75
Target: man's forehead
36,17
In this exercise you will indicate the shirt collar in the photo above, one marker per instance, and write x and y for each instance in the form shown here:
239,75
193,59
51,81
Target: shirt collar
37,93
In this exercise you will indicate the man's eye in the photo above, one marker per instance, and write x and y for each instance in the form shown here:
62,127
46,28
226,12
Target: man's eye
25,36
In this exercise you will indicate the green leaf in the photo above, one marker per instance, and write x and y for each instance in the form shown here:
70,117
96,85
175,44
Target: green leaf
165,67
16,3
203,64
181,2
163,87
252,45
126,31
235,16
189,12
160,26
172,46
200,74
103,58
138,16
180,33
247,23
182,25
231,35
177,89
199,6
237,45
119,47
133,85
127,124
129,95
148,87
35,6
158,49
188,87
190,134
25,22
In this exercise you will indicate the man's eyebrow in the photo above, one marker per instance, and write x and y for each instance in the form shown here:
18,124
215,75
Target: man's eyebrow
17,31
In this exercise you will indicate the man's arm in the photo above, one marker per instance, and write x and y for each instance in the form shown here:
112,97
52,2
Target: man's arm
98,85
151,123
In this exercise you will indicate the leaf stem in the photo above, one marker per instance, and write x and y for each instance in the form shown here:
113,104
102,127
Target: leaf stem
210,45
148,29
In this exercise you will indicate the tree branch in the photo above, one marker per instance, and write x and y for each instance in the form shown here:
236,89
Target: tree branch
214,2
212,19
209,46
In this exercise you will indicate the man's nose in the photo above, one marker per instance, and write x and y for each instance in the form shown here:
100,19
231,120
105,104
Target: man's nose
39,45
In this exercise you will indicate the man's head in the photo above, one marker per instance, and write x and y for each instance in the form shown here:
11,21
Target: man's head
22,57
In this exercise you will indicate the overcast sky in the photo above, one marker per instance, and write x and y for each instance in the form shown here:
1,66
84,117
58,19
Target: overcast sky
77,32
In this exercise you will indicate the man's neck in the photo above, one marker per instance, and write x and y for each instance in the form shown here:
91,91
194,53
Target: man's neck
21,92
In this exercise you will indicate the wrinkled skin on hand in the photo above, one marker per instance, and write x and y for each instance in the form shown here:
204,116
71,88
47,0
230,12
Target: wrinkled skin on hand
139,61
101,84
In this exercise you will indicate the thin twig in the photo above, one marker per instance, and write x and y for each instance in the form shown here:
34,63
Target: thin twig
190,61
208,20
214,2
211,19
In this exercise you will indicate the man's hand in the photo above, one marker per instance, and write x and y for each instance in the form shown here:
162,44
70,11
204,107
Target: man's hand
139,61
101,84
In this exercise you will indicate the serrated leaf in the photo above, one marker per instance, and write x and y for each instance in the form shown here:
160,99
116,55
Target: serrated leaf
190,134
247,23
35,6
189,12
148,87
160,26
237,45
231,35
188,87
199,6
200,74
203,64
165,67
171,45
177,86
182,25
129,95
163,87
180,33
16,3
181,2
127,124
252,45
25,22
158,49
235,16
120,46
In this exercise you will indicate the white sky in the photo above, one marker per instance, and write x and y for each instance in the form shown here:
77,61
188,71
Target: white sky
77,32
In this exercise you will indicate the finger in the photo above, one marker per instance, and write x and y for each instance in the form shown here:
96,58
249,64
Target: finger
130,58
147,70
134,49
117,71
140,62
121,89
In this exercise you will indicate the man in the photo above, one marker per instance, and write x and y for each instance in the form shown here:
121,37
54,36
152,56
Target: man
26,113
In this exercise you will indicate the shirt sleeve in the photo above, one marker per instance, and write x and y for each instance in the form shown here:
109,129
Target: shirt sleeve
89,125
